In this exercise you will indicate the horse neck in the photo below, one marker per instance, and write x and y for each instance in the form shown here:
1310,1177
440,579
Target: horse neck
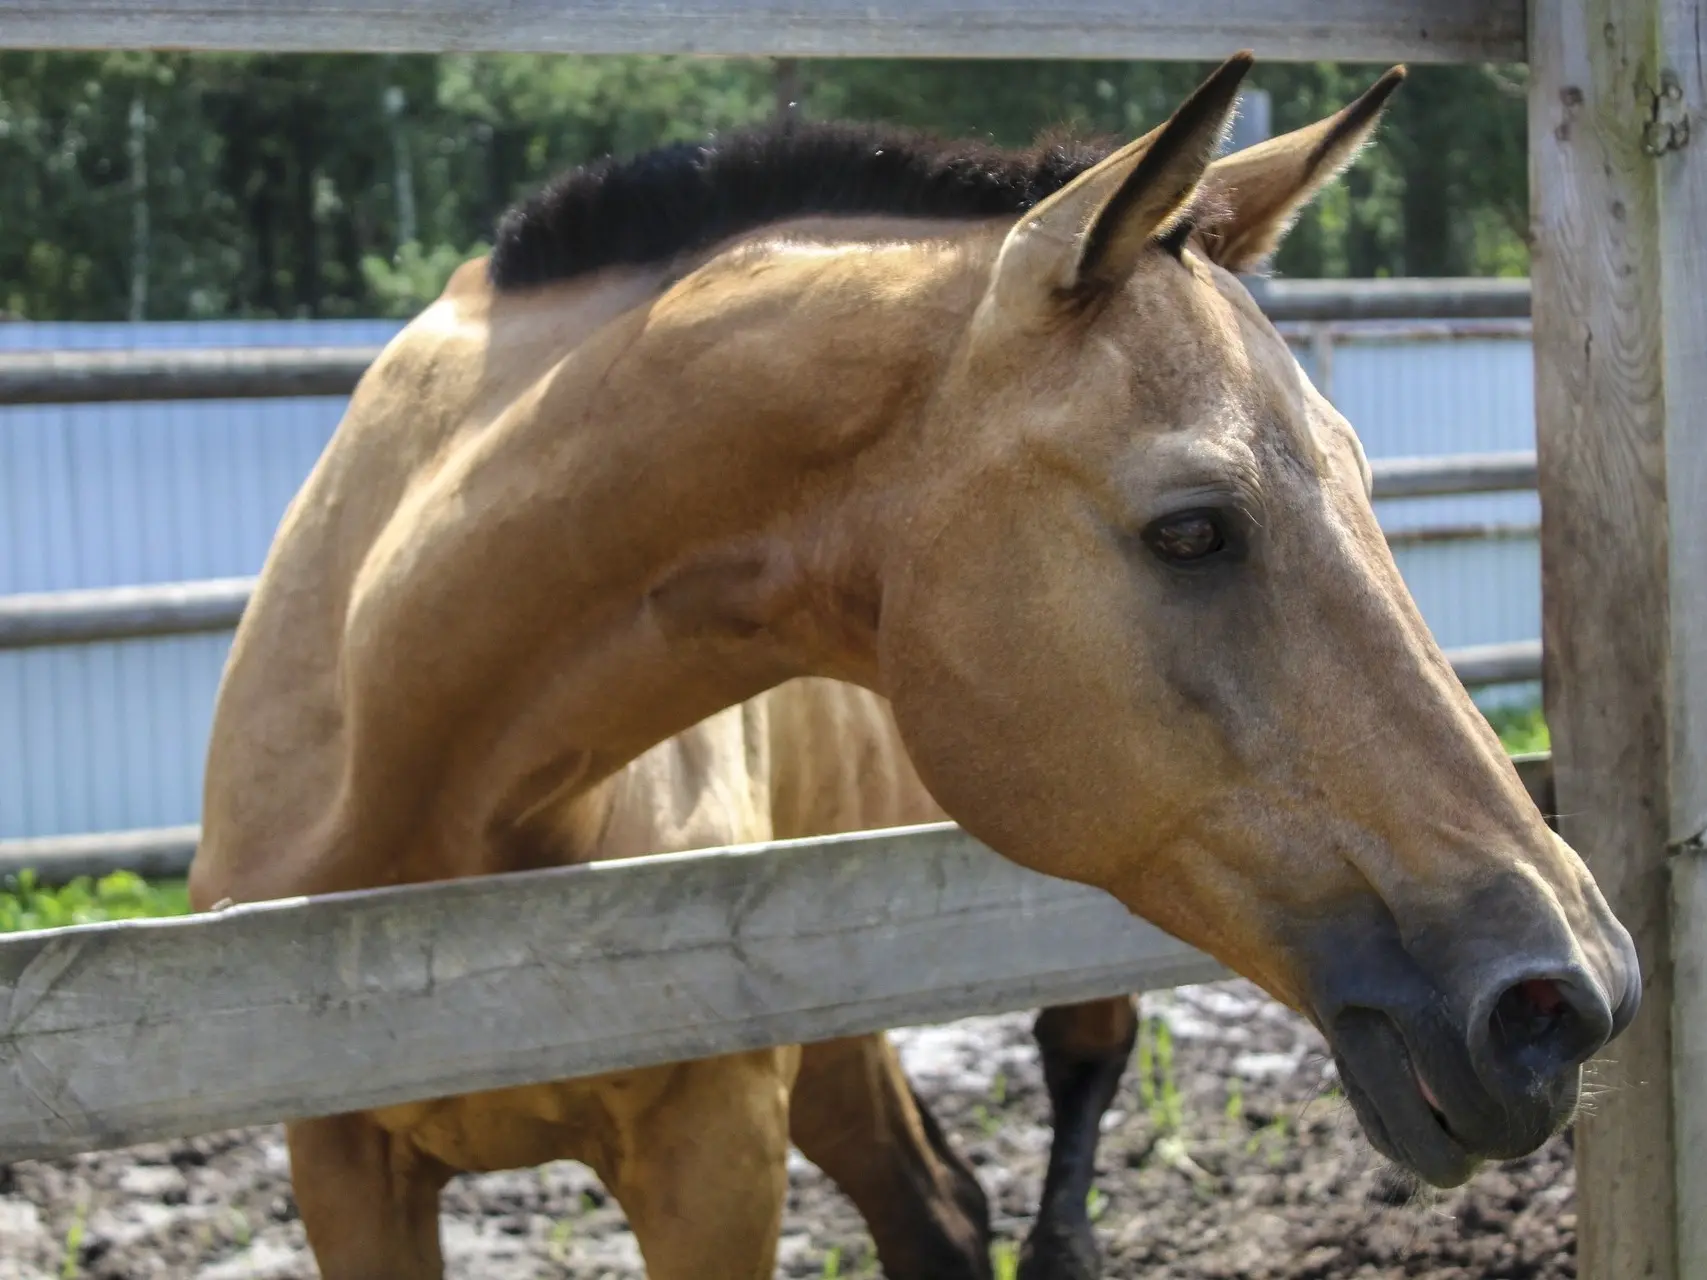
688,509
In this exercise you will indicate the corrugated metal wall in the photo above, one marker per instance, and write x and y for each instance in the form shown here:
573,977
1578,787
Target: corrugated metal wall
1462,396
111,736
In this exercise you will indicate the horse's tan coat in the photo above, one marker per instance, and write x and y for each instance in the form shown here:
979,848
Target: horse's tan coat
559,526
659,1137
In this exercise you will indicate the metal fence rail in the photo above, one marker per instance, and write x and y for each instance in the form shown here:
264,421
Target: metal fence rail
186,608
47,618
1302,309
1453,474
165,852
241,373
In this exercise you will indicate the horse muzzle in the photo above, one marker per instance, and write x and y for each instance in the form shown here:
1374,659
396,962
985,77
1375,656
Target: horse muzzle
1449,1065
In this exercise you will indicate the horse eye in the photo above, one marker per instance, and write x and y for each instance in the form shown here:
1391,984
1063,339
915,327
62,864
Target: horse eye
1183,539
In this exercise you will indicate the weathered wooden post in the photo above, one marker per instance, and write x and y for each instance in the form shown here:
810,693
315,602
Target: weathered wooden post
1619,271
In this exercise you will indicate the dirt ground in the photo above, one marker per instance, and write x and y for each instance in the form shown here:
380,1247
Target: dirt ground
1229,1155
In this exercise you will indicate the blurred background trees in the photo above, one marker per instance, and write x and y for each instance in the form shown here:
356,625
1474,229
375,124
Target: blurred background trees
173,186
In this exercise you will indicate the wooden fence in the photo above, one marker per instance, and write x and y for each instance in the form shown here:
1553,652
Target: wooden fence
102,1042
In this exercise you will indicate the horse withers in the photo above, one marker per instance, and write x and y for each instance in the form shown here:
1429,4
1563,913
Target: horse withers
1000,437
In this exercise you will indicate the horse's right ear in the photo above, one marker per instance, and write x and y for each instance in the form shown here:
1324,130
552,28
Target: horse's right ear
1265,187
1085,239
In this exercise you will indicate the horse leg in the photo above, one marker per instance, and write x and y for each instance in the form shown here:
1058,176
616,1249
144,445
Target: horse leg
369,1201
1085,1048
855,1116
701,1166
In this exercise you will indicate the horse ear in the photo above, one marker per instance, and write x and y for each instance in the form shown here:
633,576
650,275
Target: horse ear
1264,188
1087,237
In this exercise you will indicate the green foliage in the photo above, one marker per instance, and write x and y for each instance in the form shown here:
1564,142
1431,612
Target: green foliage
1521,729
1096,1204
25,904
70,1262
416,276
1272,1139
174,185
1235,1100
1158,1084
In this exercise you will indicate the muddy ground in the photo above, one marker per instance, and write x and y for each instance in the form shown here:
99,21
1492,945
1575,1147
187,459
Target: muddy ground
1229,1154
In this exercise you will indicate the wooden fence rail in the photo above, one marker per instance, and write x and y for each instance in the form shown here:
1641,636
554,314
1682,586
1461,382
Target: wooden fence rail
1345,30
121,1033
115,1034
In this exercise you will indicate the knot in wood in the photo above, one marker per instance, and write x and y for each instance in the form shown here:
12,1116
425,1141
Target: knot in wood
1667,128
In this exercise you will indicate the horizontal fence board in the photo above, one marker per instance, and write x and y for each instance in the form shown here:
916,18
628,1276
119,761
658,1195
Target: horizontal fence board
42,619
1453,474
1307,30
157,853
261,373
165,853
1484,531
235,373
122,1033
188,608
1512,662
1399,298
38,619
88,621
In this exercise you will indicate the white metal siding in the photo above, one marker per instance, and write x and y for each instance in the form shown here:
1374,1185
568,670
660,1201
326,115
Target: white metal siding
107,736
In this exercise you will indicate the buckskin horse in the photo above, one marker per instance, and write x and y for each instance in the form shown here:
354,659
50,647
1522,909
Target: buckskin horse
998,436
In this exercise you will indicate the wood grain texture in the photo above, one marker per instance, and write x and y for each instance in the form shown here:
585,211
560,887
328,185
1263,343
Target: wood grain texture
1347,30
1600,259
1676,138
1689,1055
116,1034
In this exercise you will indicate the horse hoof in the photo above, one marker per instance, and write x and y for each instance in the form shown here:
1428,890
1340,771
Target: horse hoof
1060,1254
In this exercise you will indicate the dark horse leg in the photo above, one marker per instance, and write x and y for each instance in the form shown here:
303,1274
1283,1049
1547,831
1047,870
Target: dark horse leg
1085,1048
854,1115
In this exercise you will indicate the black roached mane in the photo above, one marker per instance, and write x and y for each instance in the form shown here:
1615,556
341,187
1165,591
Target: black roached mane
686,197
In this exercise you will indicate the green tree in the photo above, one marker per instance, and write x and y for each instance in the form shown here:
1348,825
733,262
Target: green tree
173,185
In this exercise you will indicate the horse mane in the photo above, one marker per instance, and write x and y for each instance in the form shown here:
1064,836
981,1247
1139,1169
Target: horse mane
688,196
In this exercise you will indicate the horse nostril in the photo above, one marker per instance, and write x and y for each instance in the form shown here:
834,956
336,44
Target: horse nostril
1546,1025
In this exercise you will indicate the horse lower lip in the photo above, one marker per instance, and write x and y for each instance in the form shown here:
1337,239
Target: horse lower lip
1428,1094
1398,1110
